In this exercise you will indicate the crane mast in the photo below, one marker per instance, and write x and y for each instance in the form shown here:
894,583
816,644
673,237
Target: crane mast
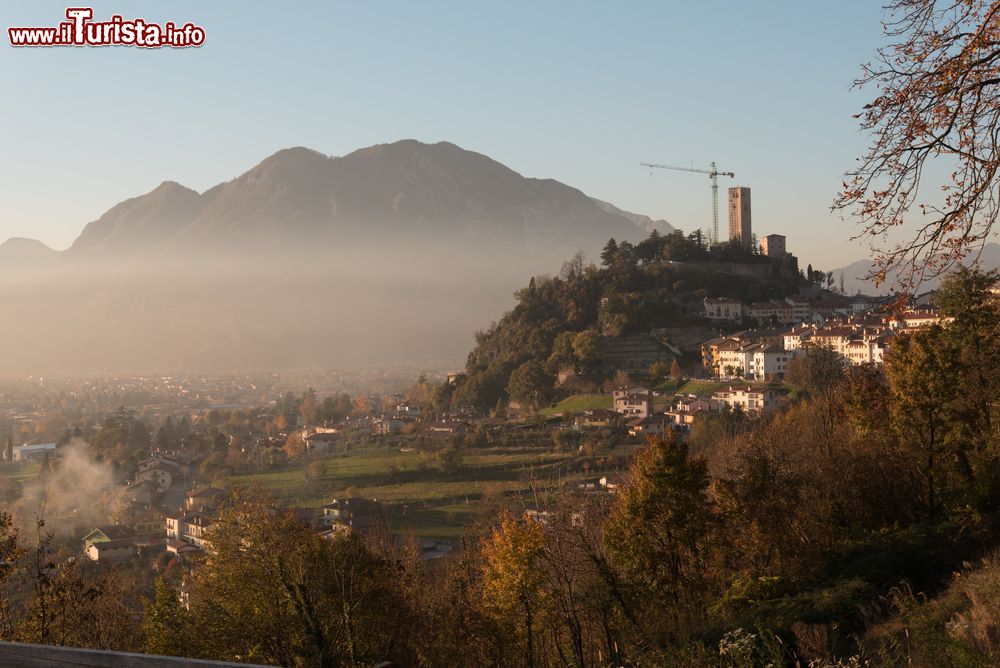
713,175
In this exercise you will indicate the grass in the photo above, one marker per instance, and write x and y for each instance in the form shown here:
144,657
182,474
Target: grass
704,387
19,472
419,498
577,403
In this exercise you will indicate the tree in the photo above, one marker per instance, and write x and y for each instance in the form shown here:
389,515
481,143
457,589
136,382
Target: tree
309,407
658,370
448,460
512,579
658,528
609,252
923,376
588,347
676,372
272,591
314,472
166,623
562,355
441,397
11,552
530,385
819,374
934,112
295,445
966,297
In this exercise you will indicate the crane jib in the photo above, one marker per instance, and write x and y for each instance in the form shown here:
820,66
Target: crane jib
713,174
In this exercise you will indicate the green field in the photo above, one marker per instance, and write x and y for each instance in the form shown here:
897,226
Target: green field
421,499
19,472
705,387
578,403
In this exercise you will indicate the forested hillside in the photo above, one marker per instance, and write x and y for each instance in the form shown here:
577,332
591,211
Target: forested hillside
559,322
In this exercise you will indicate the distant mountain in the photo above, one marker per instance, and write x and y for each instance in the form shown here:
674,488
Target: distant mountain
404,192
854,273
645,222
392,254
20,252
139,223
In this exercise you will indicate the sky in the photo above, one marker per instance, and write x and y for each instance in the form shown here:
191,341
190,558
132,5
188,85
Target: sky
579,91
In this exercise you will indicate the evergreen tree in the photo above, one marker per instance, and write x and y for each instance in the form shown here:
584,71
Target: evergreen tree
166,622
609,252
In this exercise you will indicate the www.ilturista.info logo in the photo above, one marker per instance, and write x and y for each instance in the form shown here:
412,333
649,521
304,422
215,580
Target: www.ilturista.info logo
80,30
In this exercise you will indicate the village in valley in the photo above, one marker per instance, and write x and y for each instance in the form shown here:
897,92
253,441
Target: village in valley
434,464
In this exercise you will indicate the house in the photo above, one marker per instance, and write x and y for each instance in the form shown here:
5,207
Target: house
733,360
408,408
194,528
187,527
723,308
161,471
771,311
122,549
204,498
754,401
110,543
633,401
767,362
597,418
796,336
182,549
150,521
172,524
612,481
142,492
835,338
689,404
685,408
801,309
710,352
33,453
349,514
924,317
652,425
322,441
767,336
773,245
388,426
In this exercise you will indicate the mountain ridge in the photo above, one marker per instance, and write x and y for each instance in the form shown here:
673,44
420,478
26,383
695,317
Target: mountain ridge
854,273
410,189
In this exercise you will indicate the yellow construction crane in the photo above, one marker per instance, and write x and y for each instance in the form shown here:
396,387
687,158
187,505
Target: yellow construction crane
714,175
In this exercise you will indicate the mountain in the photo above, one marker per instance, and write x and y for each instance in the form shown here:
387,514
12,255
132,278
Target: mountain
391,254
645,222
139,223
854,273
404,192
18,252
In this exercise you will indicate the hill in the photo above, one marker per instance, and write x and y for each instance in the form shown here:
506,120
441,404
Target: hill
589,323
21,253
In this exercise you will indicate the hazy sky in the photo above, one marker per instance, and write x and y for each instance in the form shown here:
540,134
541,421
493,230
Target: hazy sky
576,91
